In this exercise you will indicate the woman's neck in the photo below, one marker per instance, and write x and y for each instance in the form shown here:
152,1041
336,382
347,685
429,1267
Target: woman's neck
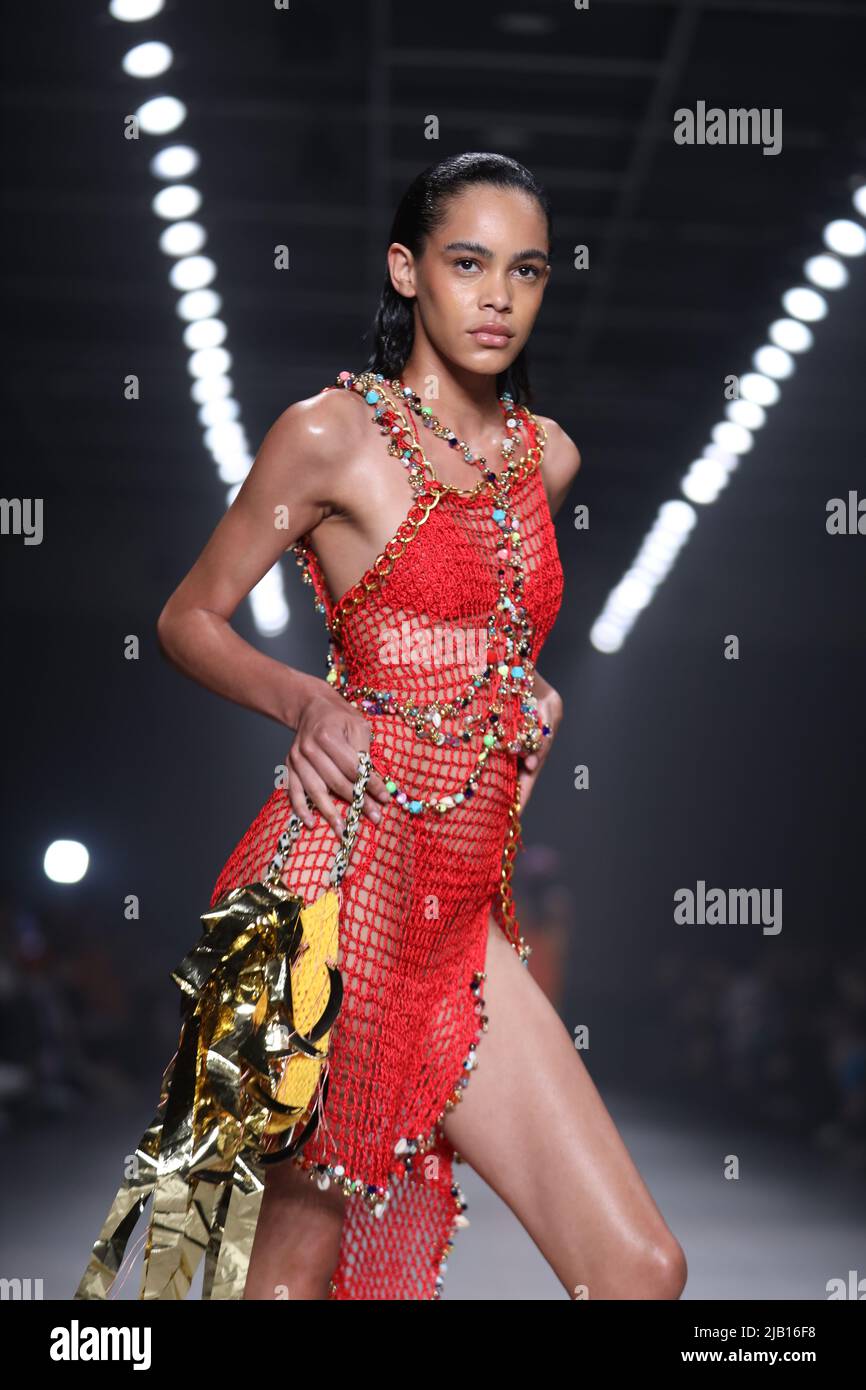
466,402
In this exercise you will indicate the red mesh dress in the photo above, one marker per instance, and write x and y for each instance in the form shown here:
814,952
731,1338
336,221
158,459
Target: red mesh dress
415,632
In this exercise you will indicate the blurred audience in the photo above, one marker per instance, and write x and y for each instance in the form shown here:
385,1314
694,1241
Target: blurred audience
71,1014
780,1040
545,912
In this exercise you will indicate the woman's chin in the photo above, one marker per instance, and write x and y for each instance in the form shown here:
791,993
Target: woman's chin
487,361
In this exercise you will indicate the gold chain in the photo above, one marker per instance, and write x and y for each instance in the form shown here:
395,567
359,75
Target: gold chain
347,839
384,562
506,892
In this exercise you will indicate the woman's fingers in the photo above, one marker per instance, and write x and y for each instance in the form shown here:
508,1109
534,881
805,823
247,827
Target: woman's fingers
342,753
324,763
329,776
298,798
355,736
362,737
316,787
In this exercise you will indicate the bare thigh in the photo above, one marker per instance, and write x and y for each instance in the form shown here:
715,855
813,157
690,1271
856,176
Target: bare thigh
297,1242
533,1125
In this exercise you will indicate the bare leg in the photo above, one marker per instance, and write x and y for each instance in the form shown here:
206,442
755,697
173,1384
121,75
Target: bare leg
533,1125
297,1242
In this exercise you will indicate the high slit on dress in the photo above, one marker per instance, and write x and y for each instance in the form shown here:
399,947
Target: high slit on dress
419,891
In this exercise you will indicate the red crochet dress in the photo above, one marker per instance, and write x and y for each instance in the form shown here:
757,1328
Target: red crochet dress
420,888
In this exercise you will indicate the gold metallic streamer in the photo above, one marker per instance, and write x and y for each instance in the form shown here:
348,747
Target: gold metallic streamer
245,1088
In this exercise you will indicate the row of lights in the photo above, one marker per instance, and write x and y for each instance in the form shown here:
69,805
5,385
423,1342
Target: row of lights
192,275
733,436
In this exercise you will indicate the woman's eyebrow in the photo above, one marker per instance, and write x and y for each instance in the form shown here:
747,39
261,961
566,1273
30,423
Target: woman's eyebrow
532,253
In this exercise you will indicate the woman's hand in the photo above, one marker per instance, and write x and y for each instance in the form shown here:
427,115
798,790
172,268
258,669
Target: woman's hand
550,709
323,759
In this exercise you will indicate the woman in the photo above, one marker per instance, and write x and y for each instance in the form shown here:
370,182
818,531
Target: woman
444,556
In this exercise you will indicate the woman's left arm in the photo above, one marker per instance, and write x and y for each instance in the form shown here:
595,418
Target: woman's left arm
560,463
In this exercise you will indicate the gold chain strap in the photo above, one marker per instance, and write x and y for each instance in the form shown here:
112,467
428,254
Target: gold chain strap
506,893
384,563
350,831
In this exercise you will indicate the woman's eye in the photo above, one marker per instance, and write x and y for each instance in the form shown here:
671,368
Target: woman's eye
469,261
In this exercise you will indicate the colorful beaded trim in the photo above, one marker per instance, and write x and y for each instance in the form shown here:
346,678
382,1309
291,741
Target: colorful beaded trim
408,1147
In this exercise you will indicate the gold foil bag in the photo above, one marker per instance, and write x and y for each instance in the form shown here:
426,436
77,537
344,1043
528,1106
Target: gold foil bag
245,1088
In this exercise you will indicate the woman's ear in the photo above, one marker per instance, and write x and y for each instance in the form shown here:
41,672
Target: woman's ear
401,268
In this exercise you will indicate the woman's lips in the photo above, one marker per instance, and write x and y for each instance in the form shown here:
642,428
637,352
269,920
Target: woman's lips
487,338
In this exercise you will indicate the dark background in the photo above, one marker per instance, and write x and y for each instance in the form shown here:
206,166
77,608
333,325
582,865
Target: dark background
745,773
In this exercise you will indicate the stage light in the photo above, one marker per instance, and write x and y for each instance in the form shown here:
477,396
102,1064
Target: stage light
732,438
606,635
209,362
174,162
228,437
198,304
746,413
65,861
630,595
148,60
724,456
652,563
233,467
176,201
774,362
270,609
704,480
791,334
845,237
192,273
803,303
754,386
204,333
676,518
182,239
211,388
131,11
160,115
217,412
827,272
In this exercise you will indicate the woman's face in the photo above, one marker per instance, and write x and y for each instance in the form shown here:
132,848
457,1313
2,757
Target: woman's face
486,264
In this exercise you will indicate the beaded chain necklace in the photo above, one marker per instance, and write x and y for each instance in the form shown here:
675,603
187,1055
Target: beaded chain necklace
508,626
431,422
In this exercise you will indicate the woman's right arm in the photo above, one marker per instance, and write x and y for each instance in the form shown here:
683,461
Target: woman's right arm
290,487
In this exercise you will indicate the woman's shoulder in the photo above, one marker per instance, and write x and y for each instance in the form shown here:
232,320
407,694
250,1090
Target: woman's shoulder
560,460
324,422
561,454
328,403
556,441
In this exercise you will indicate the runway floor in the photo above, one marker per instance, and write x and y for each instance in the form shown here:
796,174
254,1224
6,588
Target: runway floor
792,1220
